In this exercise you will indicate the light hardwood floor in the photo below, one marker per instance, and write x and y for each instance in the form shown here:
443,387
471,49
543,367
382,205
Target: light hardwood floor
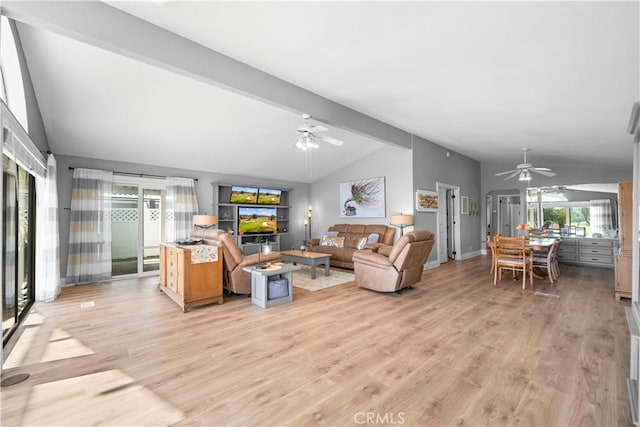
454,350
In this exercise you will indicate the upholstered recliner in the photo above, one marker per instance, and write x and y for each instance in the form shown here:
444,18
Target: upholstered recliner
390,269
235,279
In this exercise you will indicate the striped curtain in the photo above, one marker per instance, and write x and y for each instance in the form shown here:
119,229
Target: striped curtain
601,216
90,228
182,205
47,240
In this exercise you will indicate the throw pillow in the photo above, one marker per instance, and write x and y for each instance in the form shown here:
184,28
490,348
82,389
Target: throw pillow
336,242
331,233
361,243
373,238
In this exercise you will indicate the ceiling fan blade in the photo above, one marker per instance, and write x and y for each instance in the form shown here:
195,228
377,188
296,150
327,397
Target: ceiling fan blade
507,172
543,171
330,140
319,128
512,175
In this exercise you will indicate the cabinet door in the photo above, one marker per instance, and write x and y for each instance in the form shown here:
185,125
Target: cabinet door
204,279
623,273
625,202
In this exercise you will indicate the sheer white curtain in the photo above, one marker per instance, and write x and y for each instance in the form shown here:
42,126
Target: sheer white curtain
90,228
182,205
601,216
47,238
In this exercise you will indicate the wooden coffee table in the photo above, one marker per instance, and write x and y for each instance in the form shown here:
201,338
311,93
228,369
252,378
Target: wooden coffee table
312,259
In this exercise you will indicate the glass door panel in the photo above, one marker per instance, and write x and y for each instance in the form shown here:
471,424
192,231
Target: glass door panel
153,228
124,230
9,245
26,242
18,244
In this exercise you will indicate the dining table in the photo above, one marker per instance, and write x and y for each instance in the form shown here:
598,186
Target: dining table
538,244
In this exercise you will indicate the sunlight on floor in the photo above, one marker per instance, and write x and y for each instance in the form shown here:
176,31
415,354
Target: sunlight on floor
109,397
22,348
63,346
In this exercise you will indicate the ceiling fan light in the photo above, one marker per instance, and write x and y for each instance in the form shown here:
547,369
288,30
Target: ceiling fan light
524,176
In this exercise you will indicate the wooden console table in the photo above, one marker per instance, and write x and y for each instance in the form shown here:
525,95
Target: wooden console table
188,279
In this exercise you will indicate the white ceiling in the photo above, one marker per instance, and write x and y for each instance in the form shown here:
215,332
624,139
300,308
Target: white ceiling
481,78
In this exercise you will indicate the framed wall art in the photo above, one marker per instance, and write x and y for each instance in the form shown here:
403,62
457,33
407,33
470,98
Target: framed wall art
364,198
464,205
426,201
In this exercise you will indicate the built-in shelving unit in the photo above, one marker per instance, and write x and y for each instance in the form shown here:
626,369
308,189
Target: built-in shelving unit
228,214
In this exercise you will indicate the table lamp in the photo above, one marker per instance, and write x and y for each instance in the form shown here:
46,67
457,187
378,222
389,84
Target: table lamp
265,248
402,221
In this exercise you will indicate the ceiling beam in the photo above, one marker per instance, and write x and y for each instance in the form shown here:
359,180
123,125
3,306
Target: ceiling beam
101,25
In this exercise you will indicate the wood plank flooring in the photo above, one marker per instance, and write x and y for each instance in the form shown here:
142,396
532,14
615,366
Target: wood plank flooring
454,350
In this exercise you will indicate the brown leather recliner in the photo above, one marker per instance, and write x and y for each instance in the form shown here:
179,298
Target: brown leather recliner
235,279
391,269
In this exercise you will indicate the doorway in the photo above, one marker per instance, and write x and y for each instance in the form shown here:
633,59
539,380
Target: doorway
448,222
137,226
509,214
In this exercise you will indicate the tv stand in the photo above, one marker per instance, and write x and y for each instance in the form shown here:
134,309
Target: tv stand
227,213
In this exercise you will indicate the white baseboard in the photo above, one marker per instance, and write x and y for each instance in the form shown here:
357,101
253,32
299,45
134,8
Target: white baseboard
471,254
432,264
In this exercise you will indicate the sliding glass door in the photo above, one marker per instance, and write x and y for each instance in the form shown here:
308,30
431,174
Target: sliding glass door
18,244
137,225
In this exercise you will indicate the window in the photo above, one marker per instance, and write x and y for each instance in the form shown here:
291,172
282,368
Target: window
12,82
551,206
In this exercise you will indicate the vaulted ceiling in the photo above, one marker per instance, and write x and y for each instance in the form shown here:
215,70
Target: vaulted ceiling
481,78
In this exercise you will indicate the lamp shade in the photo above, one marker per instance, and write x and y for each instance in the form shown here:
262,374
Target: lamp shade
402,219
205,221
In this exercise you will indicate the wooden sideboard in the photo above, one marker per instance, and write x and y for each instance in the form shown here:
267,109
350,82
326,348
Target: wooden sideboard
187,283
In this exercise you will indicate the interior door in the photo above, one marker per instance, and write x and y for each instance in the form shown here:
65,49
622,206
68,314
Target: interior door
442,226
451,222
504,216
514,214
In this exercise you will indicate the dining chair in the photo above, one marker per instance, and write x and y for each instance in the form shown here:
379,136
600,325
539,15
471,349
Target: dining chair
512,254
548,260
491,244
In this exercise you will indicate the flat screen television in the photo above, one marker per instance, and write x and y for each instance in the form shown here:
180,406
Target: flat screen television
269,196
254,220
246,195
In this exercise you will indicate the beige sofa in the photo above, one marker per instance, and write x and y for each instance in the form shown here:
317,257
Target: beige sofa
352,233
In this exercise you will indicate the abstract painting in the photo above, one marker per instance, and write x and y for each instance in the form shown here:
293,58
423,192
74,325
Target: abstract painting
364,198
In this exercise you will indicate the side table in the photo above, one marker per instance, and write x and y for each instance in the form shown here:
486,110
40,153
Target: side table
260,284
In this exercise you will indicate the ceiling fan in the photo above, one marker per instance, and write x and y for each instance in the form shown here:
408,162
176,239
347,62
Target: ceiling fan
524,170
308,135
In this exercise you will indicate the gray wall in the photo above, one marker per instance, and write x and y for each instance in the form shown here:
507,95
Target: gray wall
431,165
393,163
299,197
